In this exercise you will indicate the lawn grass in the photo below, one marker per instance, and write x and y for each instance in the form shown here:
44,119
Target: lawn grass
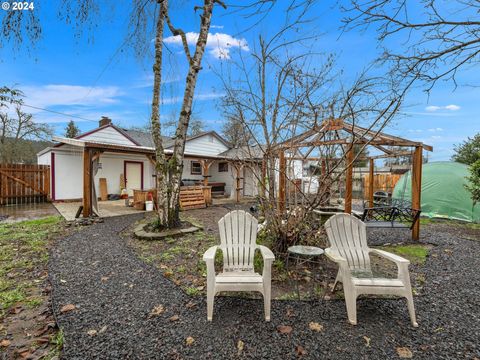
416,253
23,263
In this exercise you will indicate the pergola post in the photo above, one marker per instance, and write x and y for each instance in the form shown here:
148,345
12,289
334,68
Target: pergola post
87,183
370,182
349,180
238,179
416,188
282,182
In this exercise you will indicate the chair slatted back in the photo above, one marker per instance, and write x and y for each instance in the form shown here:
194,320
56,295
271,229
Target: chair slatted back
348,237
238,235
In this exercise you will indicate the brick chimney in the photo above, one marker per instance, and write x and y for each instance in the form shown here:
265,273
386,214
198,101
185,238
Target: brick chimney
104,121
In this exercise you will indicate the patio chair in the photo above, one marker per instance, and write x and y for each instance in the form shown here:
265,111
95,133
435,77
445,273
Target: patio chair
238,234
348,248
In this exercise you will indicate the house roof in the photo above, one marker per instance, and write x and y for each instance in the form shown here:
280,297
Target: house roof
98,145
244,152
145,139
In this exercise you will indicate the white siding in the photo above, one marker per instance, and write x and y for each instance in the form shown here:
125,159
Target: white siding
251,180
226,177
108,135
187,169
113,166
69,172
205,145
44,159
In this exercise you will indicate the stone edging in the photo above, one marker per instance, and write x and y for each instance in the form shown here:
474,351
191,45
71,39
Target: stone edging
140,232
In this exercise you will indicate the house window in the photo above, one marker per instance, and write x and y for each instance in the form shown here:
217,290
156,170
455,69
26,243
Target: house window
223,167
196,168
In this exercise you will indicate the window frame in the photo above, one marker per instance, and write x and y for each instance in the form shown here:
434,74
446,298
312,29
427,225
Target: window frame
223,163
191,167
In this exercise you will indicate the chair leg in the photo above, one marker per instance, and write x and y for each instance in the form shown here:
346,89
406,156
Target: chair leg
267,300
411,309
337,280
210,300
351,303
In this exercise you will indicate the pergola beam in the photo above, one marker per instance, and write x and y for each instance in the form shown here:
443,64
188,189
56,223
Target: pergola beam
359,142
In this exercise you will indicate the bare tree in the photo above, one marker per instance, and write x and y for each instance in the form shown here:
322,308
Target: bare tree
16,128
235,132
432,40
279,94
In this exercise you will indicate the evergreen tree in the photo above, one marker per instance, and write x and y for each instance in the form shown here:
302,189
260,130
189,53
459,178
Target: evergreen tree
72,130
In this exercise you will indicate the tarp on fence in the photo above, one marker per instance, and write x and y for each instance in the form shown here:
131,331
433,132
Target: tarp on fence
443,191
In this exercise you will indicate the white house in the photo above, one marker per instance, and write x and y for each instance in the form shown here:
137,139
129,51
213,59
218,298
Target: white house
126,155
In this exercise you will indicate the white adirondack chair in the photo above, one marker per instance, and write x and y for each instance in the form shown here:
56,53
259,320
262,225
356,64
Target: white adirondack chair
348,248
238,234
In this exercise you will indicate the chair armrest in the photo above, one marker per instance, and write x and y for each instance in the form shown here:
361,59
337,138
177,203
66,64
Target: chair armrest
392,257
335,257
210,253
267,254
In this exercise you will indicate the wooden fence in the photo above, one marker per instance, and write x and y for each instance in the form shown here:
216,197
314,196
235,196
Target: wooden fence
24,184
381,182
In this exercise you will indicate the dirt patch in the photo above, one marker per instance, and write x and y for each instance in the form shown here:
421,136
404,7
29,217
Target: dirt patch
27,325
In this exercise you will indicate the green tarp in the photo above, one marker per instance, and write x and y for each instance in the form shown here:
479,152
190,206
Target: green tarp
443,191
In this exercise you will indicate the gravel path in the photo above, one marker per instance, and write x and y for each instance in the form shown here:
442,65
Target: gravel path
114,292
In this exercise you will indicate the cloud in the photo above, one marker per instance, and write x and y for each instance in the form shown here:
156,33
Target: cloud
216,26
218,44
433,108
415,131
64,95
147,81
452,107
74,100
199,97
435,129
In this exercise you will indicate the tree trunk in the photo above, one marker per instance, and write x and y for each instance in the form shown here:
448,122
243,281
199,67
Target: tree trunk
160,168
176,162
169,173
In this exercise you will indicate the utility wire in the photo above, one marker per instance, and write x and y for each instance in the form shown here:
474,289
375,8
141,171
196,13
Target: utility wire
59,113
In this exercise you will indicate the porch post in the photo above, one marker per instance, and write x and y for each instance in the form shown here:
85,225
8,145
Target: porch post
348,180
238,179
416,188
282,183
370,182
205,167
87,183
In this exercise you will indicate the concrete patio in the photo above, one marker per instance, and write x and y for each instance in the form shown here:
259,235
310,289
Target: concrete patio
108,208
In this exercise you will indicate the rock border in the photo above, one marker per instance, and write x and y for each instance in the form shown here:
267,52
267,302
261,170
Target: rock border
141,234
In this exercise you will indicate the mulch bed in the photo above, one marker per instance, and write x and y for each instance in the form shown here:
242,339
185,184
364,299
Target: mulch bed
125,308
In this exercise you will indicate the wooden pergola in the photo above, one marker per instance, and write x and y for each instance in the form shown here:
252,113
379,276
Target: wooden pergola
345,135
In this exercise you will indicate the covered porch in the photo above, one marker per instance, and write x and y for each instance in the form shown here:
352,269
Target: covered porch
219,176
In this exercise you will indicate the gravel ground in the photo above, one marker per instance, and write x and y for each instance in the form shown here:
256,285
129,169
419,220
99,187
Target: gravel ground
114,293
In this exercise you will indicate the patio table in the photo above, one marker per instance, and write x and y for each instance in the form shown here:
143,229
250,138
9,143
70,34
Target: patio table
304,254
